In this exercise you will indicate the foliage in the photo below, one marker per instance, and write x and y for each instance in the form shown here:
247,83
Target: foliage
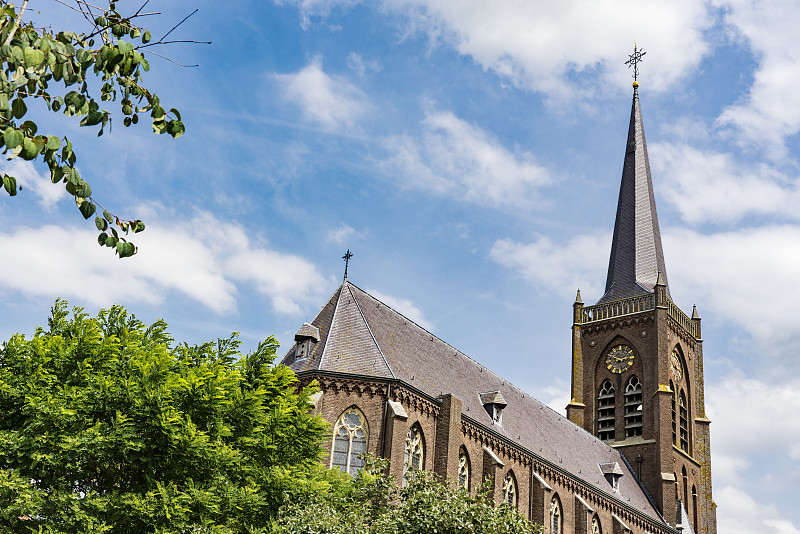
106,426
34,59
372,503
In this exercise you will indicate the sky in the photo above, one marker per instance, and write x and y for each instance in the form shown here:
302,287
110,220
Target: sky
469,155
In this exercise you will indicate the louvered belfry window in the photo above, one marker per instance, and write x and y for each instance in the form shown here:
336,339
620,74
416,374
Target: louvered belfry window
633,408
605,412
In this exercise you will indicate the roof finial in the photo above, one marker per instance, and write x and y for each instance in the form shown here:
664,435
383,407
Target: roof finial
346,259
633,61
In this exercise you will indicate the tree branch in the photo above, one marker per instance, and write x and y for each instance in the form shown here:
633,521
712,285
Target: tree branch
16,22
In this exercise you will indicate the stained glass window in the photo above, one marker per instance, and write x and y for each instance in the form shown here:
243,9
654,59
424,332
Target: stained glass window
350,441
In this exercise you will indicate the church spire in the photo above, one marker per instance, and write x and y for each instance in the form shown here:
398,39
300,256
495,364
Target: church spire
636,254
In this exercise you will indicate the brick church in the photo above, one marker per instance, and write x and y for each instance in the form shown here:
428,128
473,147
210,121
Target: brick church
633,454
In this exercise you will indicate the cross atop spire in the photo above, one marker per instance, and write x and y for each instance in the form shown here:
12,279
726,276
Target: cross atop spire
634,60
346,259
637,259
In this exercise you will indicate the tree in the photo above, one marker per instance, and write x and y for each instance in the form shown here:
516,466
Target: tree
372,503
33,59
106,425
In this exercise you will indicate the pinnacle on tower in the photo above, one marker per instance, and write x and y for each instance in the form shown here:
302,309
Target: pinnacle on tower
636,254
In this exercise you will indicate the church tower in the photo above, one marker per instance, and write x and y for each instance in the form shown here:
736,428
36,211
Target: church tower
637,359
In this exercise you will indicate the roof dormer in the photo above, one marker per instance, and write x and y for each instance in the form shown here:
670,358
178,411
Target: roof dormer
612,472
304,340
493,402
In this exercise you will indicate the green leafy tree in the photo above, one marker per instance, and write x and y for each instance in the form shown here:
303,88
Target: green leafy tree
372,503
34,60
106,425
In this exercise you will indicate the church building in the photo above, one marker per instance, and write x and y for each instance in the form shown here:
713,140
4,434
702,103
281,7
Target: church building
632,455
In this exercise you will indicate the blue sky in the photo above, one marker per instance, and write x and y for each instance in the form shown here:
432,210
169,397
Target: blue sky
469,154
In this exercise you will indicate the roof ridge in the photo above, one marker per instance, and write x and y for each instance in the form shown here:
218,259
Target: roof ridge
369,329
333,319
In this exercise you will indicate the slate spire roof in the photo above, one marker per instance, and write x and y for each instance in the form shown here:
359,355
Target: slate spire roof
360,335
636,254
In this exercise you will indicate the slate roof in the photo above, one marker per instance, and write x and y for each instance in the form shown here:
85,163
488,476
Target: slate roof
361,335
636,254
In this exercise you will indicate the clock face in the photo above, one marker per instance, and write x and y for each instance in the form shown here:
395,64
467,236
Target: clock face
619,359
675,364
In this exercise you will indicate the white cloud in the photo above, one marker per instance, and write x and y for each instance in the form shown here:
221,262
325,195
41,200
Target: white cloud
455,158
205,259
714,187
553,266
404,306
26,174
332,102
546,45
360,66
342,234
739,513
771,110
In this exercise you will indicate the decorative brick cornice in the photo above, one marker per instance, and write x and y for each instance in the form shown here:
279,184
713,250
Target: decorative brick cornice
618,322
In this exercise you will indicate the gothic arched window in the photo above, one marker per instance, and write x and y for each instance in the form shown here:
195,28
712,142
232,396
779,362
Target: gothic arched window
350,436
633,408
463,469
415,451
684,419
694,509
605,412
510,490
674,415
596,528
556,519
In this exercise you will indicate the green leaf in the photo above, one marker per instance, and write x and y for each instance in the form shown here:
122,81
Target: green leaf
176,113
87,209
29,149
101,225
101,238
33,58
83,189
107,216
175,129
135,32
111,241
146,37
124,47
10,184
138,226
56,174
12,138
4,102
18,108
53,142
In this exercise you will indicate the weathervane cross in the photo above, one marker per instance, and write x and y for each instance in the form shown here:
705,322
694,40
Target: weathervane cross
634,60
346,259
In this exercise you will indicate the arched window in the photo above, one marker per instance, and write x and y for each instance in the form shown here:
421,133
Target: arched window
350,436
596,528
605,412
684,414
674,415
556,519
694,509
463,469
510,490
633,408
415,451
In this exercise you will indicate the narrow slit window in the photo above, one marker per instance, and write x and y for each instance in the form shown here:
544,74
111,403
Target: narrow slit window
684,413
463,469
